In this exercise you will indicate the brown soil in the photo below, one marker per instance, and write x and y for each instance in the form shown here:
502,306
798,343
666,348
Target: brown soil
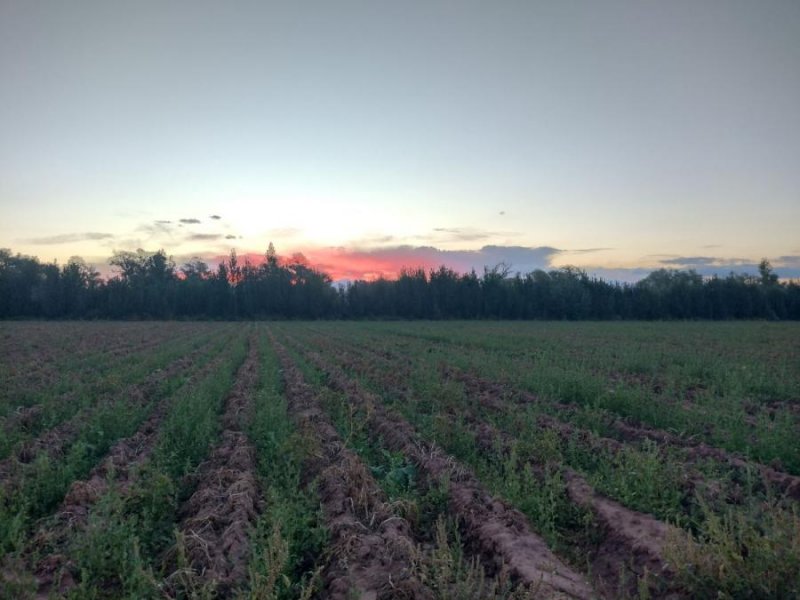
491,391
45,368
371,547
778,480
216,521
55,442
495,530
633,543
118,469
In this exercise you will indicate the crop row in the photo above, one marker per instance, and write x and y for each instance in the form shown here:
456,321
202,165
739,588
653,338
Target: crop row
740,518
333,460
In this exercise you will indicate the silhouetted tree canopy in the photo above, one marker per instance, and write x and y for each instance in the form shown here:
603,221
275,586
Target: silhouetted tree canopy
148,285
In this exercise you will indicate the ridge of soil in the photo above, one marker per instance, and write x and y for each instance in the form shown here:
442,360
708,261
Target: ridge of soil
371,547
216,520
55,441
118,469
783,482
633,541
498,532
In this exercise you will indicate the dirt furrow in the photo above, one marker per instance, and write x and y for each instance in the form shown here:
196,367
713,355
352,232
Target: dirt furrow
117,469
633,543
216,520
495,530
46,371
499,394
56,441
371,547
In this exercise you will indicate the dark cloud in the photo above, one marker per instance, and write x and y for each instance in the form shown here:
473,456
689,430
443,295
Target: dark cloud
190,221
215,217
230,237
463,234
689,260
157,228
502,212
354,264
67,238
586,250
383,239
203,237
373,242
459,234
787,267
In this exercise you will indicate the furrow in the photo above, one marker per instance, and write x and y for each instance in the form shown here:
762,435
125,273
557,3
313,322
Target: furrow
499,532
372,549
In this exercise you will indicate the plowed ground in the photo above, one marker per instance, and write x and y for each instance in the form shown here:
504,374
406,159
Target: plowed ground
400,460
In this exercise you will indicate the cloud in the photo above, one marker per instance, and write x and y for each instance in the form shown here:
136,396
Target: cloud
689,260
343,263
585,250
464,234
230,237
443,235
215,217
791,260
190,221
157,228
377,240
203,237
352,264
68,238
787,267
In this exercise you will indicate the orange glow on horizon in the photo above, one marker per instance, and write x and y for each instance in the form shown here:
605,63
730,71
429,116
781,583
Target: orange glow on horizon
343,264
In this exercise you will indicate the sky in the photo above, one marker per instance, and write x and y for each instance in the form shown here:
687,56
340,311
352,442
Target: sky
619,137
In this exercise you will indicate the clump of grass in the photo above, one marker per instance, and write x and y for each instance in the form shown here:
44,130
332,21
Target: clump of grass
289,538
108,555
740,555
450,574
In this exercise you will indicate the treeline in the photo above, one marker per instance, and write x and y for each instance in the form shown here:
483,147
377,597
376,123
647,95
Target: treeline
148,285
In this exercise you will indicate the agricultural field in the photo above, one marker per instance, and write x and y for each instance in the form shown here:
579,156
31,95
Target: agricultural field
430,460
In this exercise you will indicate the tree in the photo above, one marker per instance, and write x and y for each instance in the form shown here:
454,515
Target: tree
768,278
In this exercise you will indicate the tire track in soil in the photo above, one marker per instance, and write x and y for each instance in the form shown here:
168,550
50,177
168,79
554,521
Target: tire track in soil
56,441
118,469
499,533
371,547
215,522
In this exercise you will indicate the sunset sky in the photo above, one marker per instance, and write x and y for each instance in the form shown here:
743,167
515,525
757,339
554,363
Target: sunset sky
616,136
